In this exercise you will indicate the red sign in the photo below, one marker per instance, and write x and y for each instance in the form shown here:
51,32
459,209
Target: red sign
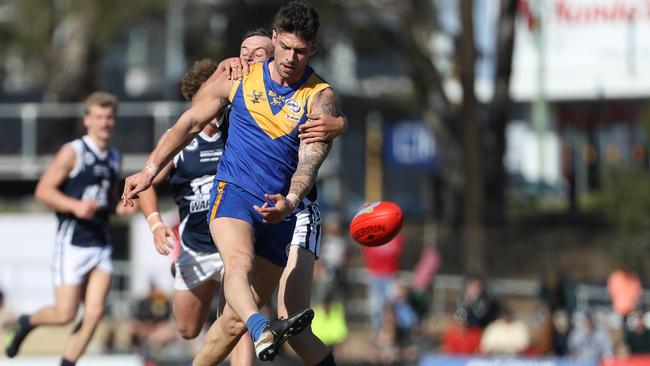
609,11
627,361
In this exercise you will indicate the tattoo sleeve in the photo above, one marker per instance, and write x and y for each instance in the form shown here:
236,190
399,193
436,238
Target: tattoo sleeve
311,156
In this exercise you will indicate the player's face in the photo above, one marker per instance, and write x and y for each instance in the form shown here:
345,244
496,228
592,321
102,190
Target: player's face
292,54
99,122
256,49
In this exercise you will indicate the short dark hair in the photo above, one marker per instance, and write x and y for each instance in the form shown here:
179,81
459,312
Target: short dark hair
200,72
262,32
297,17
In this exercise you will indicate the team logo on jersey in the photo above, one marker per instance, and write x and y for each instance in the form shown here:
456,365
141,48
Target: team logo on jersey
276,99
256,97
192,145
89,158
200,199
294,106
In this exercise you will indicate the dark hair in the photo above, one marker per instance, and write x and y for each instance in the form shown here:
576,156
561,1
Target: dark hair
200,72
297,17
262,32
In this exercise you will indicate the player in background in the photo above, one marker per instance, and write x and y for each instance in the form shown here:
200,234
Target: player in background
266,161
198,266
79,186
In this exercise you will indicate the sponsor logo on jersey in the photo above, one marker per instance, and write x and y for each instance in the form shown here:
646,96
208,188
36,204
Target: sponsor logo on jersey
101,171
89,158
291,117
294,106
210,155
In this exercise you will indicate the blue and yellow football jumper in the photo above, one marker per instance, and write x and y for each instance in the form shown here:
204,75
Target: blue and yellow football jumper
261,152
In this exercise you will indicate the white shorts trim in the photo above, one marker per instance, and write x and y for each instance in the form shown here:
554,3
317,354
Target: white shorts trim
71,264
194,268
307,233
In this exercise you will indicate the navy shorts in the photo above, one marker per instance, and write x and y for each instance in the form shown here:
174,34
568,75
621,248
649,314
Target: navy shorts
271,240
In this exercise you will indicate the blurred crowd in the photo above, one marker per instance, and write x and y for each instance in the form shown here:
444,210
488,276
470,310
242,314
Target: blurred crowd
401,327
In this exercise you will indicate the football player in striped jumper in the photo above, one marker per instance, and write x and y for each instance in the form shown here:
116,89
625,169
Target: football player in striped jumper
79,186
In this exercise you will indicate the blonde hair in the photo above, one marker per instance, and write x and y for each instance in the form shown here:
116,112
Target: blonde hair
102,99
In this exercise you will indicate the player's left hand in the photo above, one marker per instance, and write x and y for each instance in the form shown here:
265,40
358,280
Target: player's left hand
276,213
235,67
321,127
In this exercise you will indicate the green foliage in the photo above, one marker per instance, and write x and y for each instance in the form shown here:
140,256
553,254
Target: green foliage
626,202
625,199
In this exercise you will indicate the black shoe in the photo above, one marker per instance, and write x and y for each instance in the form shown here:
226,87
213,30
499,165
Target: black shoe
16,336
278,331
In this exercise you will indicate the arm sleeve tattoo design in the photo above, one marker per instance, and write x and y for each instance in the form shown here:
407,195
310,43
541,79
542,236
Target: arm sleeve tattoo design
311,156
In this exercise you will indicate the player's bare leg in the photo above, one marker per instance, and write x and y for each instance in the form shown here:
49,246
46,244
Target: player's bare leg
191,308
98,285
235,243
64,310
294,294
229,328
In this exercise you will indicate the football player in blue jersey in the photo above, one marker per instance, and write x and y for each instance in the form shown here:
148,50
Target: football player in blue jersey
198,266
264,176
303,251
79,186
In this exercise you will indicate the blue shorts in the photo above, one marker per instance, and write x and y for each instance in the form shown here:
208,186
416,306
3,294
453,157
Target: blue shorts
271,240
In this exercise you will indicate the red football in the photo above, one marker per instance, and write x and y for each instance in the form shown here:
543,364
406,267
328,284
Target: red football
376,223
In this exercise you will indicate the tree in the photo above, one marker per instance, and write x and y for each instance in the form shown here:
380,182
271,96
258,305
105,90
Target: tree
467,147
61,41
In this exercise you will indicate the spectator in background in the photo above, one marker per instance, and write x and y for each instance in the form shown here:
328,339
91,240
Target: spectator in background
625,289
383,264
385,349
556,292
151,313
505,336
561,328
7,317
329,323
477,306
422,279
331,283
461,339
589,341
636,334
407,323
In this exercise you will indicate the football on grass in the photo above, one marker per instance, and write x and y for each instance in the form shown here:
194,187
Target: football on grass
376,223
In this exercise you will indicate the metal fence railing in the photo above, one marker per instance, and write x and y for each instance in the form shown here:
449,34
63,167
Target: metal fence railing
22,120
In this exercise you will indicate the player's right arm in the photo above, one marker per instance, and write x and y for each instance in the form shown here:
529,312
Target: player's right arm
48,192
205,105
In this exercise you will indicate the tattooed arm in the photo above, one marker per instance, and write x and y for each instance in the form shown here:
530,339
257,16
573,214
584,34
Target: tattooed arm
310,158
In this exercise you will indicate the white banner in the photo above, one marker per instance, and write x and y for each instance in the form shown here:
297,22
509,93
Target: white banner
592,49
